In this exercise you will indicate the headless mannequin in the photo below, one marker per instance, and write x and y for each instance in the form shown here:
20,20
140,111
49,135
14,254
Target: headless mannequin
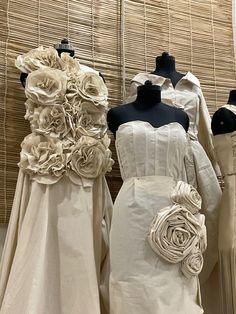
147,107
165,66
223,120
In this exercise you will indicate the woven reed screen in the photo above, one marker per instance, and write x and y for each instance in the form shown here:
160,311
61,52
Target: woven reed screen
119,38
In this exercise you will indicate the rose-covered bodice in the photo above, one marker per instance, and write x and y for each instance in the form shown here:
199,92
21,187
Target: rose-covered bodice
66,106
147,151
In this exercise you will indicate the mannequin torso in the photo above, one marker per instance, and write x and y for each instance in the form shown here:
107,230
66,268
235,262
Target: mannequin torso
147,107
165,66
224,120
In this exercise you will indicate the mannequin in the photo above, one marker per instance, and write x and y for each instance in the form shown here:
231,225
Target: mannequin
165,66
64,46
224,120
54,211
147,107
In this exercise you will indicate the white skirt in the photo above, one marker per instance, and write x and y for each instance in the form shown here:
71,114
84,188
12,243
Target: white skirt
141,281
55,258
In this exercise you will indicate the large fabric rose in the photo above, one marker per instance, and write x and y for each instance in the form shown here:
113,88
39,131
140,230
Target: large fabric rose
42,155
46,86
70,65
92,88
91,120
91,157
186,195
89,127
39,58
192,264
174,233
52,121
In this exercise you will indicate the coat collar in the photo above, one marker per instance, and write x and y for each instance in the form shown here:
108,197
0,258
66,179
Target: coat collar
160,80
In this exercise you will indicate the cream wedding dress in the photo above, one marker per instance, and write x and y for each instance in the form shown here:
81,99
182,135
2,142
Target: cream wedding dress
55,259
225,148
152,162
188,96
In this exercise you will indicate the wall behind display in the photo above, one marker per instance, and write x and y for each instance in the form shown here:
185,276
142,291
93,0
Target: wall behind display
120,39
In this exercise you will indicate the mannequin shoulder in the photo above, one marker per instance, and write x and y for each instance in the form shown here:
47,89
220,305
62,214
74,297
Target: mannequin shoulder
223,121
118,115
182,117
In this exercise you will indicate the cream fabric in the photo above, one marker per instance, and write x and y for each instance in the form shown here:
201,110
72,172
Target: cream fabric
55,258
187,95
56,248
225,148
152,160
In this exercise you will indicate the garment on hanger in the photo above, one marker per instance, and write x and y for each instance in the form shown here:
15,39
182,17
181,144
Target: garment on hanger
225,149
153,162
187,94
55,258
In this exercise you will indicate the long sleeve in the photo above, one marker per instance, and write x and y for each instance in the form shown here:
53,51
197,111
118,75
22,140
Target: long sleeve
209,189
205,133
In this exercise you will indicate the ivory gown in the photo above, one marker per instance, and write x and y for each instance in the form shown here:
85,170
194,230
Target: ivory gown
151,161
188,95
55,258
225,148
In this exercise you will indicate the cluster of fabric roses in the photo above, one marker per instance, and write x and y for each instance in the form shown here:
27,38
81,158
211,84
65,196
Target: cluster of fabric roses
66,107
178,232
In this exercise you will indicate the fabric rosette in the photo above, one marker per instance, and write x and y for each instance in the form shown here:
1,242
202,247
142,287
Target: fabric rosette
93,88
91,120
52,121
192,264
186,195
91,157
39,58
174,233
42,155
46,86
69,64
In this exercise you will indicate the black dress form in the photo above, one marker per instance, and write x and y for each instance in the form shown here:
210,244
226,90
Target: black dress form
147,107
223,120
165,66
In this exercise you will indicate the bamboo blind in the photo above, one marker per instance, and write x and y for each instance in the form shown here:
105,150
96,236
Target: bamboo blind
119,38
